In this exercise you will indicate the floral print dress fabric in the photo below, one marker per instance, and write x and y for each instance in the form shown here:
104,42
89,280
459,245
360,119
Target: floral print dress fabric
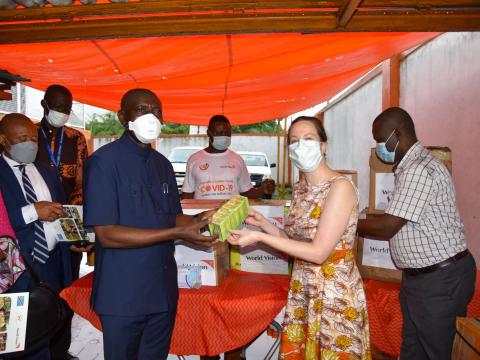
326,313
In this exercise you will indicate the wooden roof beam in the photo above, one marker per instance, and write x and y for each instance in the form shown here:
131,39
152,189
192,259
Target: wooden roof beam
346,12
264,22
420,4
160,7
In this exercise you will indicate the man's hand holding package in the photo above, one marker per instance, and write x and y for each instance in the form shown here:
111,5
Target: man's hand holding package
192,233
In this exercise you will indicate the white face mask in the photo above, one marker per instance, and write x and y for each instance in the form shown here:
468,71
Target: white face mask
221,142
306,154
56,118
146,128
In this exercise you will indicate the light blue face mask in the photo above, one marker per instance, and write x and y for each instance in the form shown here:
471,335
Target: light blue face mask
221,142
382,152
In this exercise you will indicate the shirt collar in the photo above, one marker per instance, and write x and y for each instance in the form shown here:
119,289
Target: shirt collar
410,155
132,146
12,163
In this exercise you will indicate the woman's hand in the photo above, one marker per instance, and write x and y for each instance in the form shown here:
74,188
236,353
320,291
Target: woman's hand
244,238
256,219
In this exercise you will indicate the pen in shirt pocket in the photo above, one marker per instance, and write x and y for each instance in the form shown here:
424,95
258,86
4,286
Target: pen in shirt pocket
165,188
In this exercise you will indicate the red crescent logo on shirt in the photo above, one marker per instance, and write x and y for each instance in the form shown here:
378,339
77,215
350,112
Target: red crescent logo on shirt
203,167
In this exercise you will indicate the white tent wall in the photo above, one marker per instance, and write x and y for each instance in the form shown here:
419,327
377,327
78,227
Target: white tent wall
440,88
348,126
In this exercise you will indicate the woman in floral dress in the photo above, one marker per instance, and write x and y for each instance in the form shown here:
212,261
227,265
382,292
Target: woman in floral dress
326,313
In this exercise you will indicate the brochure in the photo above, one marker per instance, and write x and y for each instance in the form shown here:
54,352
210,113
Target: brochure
13,321
71,229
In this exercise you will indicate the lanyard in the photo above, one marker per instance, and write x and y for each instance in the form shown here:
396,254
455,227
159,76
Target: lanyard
49,149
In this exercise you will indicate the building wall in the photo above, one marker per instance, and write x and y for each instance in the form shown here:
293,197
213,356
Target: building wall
348,126
263,143
440,88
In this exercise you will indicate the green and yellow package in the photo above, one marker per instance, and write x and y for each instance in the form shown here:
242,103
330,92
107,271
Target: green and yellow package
230,216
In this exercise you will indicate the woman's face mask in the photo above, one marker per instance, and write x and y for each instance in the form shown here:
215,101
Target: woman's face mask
306,154
383,153
146,128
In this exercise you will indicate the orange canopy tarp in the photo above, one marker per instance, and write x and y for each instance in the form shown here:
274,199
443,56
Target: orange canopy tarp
249,78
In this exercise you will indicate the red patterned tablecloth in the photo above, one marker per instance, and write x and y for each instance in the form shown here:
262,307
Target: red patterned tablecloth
212,320
385,314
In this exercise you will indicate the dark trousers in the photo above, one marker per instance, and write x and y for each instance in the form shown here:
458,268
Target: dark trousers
76,261
144,337
430,304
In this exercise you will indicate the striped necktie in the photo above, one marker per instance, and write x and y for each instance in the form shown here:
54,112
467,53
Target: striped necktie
40,248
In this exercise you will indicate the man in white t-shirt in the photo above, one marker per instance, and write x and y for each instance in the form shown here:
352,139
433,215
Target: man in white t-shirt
217,172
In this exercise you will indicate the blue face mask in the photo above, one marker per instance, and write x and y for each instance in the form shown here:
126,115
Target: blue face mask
382,152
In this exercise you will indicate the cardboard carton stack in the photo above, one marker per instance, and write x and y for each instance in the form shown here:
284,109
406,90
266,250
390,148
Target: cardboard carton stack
214,263
259,258
373,256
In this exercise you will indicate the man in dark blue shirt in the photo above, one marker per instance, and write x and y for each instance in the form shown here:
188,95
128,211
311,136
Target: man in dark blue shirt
131,200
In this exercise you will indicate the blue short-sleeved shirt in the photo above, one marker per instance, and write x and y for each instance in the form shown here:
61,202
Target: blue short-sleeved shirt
127,185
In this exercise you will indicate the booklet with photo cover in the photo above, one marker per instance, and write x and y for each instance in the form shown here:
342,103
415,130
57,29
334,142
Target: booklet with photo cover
13,321
70,228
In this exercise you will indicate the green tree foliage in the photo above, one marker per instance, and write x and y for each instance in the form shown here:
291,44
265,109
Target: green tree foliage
108,125
105,125
173,128
267,127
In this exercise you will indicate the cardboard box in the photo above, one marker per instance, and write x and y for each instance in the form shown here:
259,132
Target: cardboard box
260,258
382,181
213,262
374,260
466,345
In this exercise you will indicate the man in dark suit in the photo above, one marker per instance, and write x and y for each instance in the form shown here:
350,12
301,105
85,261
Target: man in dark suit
33,197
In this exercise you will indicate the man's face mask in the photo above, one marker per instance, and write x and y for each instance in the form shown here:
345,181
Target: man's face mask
56,118
306,154
24,152
383,153
146,128
221,142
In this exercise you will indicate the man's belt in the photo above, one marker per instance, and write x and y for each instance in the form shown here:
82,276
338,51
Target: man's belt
442,264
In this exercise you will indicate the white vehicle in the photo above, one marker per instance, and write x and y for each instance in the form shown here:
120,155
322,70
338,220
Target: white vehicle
179,157
258,166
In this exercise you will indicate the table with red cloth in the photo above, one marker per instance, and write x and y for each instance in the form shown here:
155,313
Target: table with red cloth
212,320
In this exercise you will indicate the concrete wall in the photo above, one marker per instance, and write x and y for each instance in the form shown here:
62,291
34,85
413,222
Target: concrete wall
264,143
440,88
348,126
